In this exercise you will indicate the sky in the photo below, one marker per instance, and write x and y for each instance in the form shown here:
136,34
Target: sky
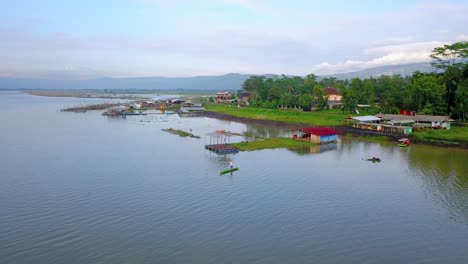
56,39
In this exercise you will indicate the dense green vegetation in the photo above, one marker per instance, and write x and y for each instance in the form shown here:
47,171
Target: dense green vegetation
332,118
438,93
271,143
455,135
444,92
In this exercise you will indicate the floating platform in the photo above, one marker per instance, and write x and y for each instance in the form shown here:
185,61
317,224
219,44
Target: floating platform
222,148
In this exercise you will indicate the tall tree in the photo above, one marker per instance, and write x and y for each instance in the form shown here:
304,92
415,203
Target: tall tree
329,82
426,94
252,83
320,97
461,96
350,100
451,59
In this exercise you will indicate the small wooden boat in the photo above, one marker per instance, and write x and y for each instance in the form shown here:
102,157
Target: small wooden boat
228,170
404,142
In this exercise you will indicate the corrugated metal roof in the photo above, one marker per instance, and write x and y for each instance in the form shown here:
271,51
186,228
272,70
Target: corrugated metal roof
416,118
365,118
320,131
331,90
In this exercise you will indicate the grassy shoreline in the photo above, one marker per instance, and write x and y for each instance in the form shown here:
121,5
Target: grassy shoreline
271,143
180,133
322,118
457,136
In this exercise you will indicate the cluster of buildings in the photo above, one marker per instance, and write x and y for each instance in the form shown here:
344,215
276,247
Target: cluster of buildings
228,97
186,107
404,123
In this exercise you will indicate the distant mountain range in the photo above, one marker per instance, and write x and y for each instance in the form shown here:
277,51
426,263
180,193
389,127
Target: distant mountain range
232,81
401,69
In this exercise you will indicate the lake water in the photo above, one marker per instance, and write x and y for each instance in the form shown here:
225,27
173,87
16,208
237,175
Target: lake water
83,188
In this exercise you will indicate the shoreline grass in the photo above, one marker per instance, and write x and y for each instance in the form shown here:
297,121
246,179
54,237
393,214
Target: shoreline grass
271,143
179,132
320,118
454,135
457,135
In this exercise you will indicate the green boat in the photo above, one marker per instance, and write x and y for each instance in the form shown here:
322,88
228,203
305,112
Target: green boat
228,170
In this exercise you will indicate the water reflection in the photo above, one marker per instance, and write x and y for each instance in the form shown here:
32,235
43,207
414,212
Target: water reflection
256,130
444,173
314,149
74,181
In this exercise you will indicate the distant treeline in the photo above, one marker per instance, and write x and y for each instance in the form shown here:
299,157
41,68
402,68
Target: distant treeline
445,92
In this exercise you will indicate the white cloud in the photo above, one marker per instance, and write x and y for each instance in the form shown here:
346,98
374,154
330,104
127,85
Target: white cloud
413,47
215,37
389,55
463,37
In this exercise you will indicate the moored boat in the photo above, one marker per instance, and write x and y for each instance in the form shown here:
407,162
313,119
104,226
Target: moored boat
404,142
228,170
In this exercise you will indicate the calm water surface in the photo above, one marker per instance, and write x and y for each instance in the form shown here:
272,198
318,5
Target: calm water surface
82,188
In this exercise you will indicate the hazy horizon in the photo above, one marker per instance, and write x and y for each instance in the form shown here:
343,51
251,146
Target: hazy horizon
147,38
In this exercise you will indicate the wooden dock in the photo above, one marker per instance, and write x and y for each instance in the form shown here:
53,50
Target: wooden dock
222,148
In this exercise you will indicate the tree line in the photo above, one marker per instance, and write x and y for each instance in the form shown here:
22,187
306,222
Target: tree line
442,92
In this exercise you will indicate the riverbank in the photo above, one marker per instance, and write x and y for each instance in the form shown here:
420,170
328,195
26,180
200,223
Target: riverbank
180,132
455,137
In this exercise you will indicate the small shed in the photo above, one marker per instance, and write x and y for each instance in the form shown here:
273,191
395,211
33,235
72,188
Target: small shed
420,121
367,119
191,110
319,135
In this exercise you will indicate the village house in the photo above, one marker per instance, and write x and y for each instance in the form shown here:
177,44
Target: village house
404,123
223,97
334,97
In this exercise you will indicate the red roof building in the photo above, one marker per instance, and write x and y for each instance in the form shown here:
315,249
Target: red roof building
333,94
319,135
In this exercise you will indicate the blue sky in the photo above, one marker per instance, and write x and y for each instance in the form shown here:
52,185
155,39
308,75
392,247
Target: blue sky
124,38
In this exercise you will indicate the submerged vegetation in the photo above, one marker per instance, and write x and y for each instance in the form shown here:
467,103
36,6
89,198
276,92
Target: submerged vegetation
271,143
180,132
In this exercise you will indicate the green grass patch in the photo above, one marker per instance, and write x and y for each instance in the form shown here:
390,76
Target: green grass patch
321,118
180,132
271,143
453,135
